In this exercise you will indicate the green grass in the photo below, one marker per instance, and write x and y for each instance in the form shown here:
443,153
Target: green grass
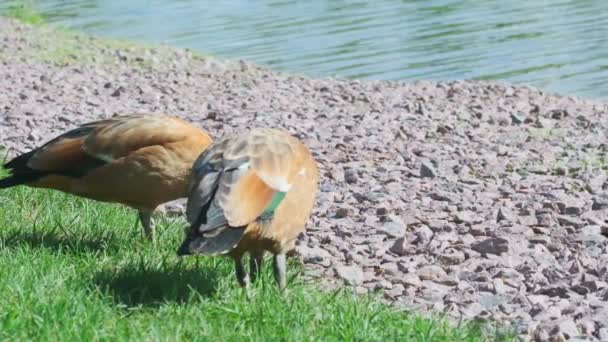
74,269
25,13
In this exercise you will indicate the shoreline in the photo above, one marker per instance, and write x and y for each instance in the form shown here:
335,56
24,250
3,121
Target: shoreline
481,199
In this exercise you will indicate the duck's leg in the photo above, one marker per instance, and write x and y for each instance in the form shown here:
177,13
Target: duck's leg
256,260
279,268
148,224
241,273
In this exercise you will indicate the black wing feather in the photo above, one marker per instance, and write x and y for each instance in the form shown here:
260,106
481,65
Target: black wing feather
21,173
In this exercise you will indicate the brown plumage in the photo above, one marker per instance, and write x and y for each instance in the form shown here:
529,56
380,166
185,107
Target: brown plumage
140,160
251,192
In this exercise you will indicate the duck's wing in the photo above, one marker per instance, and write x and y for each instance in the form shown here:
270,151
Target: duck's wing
94,144
235,182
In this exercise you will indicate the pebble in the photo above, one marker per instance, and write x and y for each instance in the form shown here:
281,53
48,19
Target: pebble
427,170
395,291
424,234
393,229
495,246
566,327
350,176
411,280
314,255
505,214
600,202
431,272
352,275
400,246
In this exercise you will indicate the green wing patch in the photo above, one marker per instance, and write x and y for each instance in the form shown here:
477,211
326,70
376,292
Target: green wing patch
274,203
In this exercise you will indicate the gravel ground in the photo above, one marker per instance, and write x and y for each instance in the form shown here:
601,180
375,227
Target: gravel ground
478,199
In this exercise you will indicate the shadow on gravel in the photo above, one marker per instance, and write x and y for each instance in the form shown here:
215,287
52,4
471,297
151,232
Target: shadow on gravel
139,284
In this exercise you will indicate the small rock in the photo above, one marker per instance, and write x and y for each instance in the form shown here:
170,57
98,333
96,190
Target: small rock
436,287
427,170
567,327
589,238
591,230
441,197
596,184
465,216
431,272
499,286
383,284
594,285
400,247
573,211
550,313
541,333
586,326
600,202
517,119
390,268
33,136
424,234
578,288
595,217
490,300
538,169
352,275
410,279
342,213
395,291
122,55
437,225
314,255
495,246
381,211
505,214
478,230
371,221
555,291
558,114
590,233
570,221
471,310
173,208
350,176
361,290
118,91
544,220
502,151
537,299
528,220
393,229
452,258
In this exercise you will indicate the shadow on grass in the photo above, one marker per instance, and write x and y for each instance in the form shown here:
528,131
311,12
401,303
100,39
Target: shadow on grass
59,242
140,285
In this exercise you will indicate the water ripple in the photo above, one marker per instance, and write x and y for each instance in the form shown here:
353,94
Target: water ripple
560,45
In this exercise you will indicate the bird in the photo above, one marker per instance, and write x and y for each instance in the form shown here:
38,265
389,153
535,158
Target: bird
139,160
250,192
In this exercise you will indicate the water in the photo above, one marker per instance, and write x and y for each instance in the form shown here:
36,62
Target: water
557,45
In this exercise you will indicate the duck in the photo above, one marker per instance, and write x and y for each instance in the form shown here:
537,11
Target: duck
250,192
139,160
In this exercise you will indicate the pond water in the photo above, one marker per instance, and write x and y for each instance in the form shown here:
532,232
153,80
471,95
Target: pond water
557,45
